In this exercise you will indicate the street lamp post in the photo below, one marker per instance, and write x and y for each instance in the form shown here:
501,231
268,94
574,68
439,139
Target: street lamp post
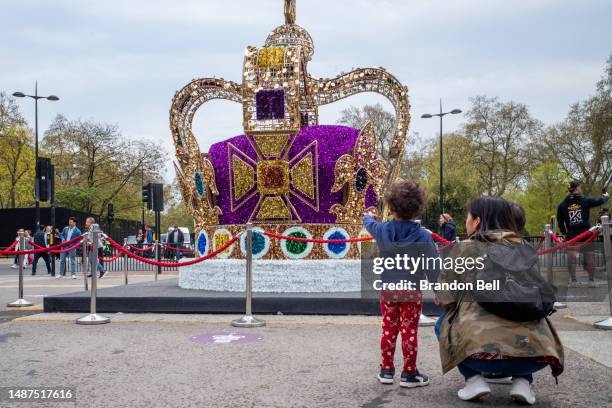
441,115
36,97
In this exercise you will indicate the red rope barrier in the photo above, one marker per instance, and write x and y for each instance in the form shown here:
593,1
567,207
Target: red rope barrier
72,248
440,239
172,264
555,238
9,248
176,249
146,249
111,259
567,243
320,241
590,239
42,249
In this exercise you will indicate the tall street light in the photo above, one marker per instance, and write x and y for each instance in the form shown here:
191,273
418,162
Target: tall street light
441,115
36,97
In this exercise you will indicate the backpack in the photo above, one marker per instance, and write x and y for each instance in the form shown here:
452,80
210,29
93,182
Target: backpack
523,294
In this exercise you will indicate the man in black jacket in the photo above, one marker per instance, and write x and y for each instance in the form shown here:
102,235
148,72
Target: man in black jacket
573,216
176,240
41,238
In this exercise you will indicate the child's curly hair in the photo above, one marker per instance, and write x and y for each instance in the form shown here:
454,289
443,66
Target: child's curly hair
406,199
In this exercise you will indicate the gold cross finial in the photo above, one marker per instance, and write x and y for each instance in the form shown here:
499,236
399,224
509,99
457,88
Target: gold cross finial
289,11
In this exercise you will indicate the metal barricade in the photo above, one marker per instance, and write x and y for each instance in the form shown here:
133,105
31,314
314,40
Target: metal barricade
93,317
20,302
606,324
248,320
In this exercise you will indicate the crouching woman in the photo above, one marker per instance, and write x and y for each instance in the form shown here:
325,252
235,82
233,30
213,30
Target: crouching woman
481,344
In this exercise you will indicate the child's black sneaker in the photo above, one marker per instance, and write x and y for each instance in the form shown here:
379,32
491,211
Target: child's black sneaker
411,380
386,375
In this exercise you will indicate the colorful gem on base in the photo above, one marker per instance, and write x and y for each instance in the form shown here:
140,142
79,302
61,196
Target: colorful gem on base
220,238
296,249
366,248
261,243
202,243
199,184
336,250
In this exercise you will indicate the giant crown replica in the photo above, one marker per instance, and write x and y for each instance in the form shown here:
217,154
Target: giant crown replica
287,174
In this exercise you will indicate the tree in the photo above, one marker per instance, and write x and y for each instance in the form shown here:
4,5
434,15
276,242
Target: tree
500,132
582,143
545,190
95,165
16,168
461,182
16,156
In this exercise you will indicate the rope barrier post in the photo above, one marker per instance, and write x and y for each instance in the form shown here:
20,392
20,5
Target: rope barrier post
248,320
125,268
157,269
84,261
425,321
93,317
20,302
548,256
605,229
549,263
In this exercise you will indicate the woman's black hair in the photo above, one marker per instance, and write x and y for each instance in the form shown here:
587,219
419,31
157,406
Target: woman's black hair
495,214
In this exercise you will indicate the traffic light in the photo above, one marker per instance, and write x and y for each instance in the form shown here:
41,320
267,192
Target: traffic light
110,213
43,174
158,197
147,196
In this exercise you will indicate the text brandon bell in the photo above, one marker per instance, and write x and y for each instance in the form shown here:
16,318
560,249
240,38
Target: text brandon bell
425,285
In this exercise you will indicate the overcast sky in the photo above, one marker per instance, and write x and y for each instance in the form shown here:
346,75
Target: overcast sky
122,61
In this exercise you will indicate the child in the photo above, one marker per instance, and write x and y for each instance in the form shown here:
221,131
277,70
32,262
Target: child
405,201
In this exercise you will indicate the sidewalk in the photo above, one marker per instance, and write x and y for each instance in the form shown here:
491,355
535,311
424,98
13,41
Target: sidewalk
301,361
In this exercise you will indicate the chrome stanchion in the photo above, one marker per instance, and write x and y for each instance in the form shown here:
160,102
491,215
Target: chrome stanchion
84,261
156,268
549,263
20,302
425,321
93,317
606,324
248,320
125,269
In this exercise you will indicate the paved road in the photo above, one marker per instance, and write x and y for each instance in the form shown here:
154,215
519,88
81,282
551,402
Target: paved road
302,361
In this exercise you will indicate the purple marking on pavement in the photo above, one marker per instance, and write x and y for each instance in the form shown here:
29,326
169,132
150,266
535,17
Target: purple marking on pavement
226,338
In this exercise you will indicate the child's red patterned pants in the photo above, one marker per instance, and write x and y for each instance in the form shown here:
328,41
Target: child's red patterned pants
396,317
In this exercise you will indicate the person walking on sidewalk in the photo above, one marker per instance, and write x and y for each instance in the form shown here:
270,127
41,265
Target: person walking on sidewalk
41,238
401,309
573,217
69,232
88,226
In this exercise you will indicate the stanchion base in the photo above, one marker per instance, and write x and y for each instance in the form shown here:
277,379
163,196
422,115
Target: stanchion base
425,321
248,321
604,324
93,319
20,303
559,305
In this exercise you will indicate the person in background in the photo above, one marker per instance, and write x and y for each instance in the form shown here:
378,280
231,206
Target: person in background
88,226
69,232
41,238
573,217
148,235
140,238
448,227
176,240
16,260
28,259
